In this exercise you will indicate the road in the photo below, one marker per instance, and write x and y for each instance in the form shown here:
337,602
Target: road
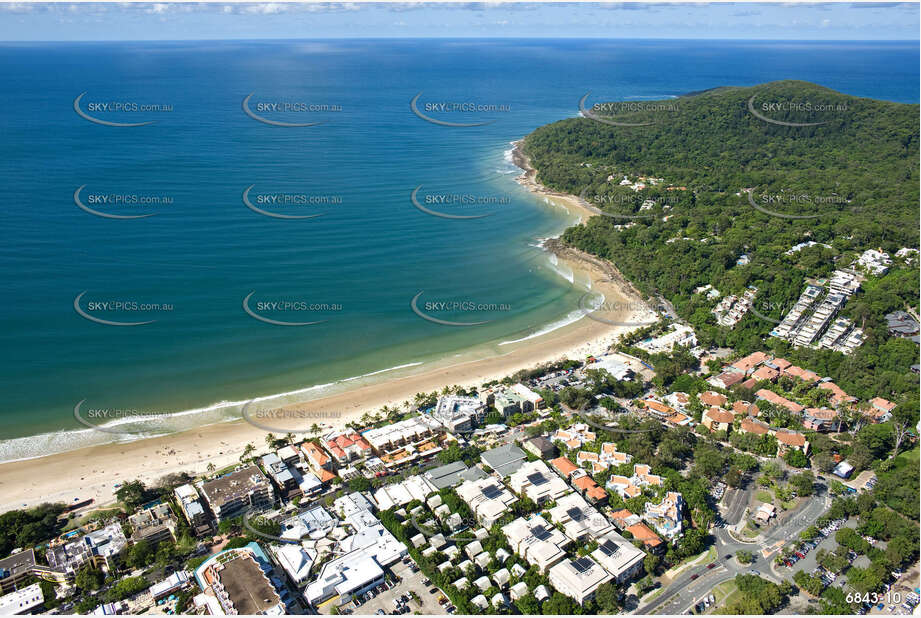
686,589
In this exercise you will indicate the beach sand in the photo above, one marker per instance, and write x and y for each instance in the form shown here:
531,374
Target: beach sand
93,472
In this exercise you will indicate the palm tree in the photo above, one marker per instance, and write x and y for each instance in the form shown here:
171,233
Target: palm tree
290,438
270,440
247,451
210,468
314,429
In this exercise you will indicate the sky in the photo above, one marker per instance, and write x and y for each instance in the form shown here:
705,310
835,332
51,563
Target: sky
274,20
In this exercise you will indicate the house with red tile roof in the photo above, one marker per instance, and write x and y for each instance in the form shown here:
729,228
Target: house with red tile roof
838,396
765,373
809,377
726,379
747,364
592,492
564,467
623,486
610,455
791,439
819,419
751,425
780,363
712,398
316,457
772,397
347,446
623,519
745,408
717,419
651,541
657,408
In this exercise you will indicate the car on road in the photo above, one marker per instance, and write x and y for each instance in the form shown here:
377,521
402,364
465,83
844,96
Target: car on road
754,572
727,557
694,576
712,565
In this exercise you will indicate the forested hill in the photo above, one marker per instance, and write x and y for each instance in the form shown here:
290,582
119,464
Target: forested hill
853,180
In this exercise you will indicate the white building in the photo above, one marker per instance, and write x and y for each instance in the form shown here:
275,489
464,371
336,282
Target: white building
578,579
579,519
535,480
459,414
488,498
535,540
23,601
619,557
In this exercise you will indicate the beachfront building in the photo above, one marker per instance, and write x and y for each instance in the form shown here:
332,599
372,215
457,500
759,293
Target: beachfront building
99,548
459,414
535,480
193,509
240,491
286,483
406,441
237,582
346,446
679,335
578,579
530,400
153,523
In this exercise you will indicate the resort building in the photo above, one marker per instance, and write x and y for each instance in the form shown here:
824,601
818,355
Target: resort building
717,419
530,400
459,414
236,582
564,467
666,517
100,548
190,503
406,441
751,425
540,446
153,523
286,484
578,579
880,410
611,456
787,440
347,446
535,480
679,335
240,491
587,486
651,541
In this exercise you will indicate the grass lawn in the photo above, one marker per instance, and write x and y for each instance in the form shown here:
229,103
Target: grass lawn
725,593
764,496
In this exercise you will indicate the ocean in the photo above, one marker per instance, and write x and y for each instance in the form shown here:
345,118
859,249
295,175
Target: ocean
328,235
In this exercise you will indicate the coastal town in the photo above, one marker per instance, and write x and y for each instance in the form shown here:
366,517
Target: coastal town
585,485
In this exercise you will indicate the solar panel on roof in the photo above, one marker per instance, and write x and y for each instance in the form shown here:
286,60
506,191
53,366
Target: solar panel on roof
537,478
583,565
541,533
575,514
492,492
608,548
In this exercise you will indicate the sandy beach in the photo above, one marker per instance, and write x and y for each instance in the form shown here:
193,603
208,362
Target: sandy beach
93,472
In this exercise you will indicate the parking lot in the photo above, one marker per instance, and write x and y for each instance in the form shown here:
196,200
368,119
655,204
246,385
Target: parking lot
386,601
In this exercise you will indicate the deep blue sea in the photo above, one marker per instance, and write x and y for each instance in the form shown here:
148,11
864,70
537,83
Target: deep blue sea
355,268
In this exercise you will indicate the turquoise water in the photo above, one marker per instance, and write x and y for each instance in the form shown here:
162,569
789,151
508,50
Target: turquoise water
365,258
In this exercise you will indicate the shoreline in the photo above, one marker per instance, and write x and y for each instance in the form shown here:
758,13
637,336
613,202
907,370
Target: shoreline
93,471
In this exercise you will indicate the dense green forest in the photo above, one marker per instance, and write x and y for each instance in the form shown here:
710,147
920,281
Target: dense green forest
855,177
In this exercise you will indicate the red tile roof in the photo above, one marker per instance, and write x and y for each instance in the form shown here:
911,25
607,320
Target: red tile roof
749,362
750,425
564,466
765,373
712,398
790,438
717,415
642,533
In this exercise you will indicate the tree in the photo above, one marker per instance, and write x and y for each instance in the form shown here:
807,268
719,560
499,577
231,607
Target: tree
247,452
734,477
132,494
89,578
560,605
744,557
803,483
606,598
270,440
795,458
651,563
904,419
